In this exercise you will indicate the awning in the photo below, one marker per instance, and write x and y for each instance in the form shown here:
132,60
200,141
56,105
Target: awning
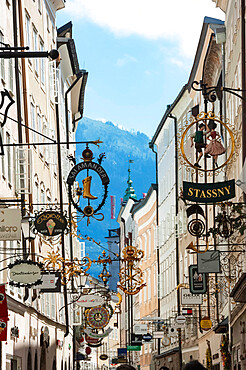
222,327
78,95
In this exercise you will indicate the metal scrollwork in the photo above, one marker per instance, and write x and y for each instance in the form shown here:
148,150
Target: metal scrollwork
131,276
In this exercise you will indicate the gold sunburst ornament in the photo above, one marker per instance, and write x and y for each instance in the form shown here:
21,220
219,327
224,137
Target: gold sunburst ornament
69,269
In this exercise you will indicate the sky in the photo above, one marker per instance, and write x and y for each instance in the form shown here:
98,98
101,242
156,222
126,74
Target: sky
138,54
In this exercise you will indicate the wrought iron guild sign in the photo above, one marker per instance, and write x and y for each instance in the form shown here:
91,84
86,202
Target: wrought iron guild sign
88,165
131,276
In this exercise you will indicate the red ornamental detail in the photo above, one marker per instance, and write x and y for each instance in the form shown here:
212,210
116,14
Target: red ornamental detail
3,314
88,350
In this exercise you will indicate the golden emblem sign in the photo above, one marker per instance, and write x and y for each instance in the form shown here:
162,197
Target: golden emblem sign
131,276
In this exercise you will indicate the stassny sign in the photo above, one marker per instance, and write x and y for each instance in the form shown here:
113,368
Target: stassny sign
209,192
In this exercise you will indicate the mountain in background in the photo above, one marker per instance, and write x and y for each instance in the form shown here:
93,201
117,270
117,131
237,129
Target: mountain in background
119,146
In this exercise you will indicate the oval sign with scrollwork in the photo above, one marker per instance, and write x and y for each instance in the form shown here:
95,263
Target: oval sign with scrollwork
24,273
50,223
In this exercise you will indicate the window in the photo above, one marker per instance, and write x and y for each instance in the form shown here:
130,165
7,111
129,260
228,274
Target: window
3,156
28,41
33,122
53,306
40,6
9,163
149,285
35,47
42,194
36,194
40,138
2,60
48,23
11,84
42,67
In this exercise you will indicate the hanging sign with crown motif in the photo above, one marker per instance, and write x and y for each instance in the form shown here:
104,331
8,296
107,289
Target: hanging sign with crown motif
77,195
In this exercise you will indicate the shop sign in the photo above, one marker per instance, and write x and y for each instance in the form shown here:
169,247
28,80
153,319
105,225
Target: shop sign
198,284
103,357
50,223
98,335
3,302
122,352
206,323
3,328
186,311
188,298
136,339
166,341
133,348
140,329
180,320
158,334
208,262
14,332
10,224
209,192
50,282
147,337
90,300
24,273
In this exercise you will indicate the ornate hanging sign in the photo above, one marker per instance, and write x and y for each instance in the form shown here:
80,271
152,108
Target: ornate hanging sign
25,273
209,192
90,300
88,165
208,262
198,283
50,223
98,317
98,335
208,142
206,323
131,277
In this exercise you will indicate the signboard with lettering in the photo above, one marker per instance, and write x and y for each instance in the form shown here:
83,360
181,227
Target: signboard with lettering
206,323
24,273
140,328
187,298
90,300
50,282
50,223
198,284
208,262
209,192
10,224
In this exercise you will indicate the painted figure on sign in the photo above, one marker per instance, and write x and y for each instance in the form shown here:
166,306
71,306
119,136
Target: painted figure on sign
199,138
215,147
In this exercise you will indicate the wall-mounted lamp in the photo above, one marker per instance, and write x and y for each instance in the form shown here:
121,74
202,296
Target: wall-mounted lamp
26,226
220,35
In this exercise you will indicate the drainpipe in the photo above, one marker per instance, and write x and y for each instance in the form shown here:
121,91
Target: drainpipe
176,228
60,182
151,145
243,80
